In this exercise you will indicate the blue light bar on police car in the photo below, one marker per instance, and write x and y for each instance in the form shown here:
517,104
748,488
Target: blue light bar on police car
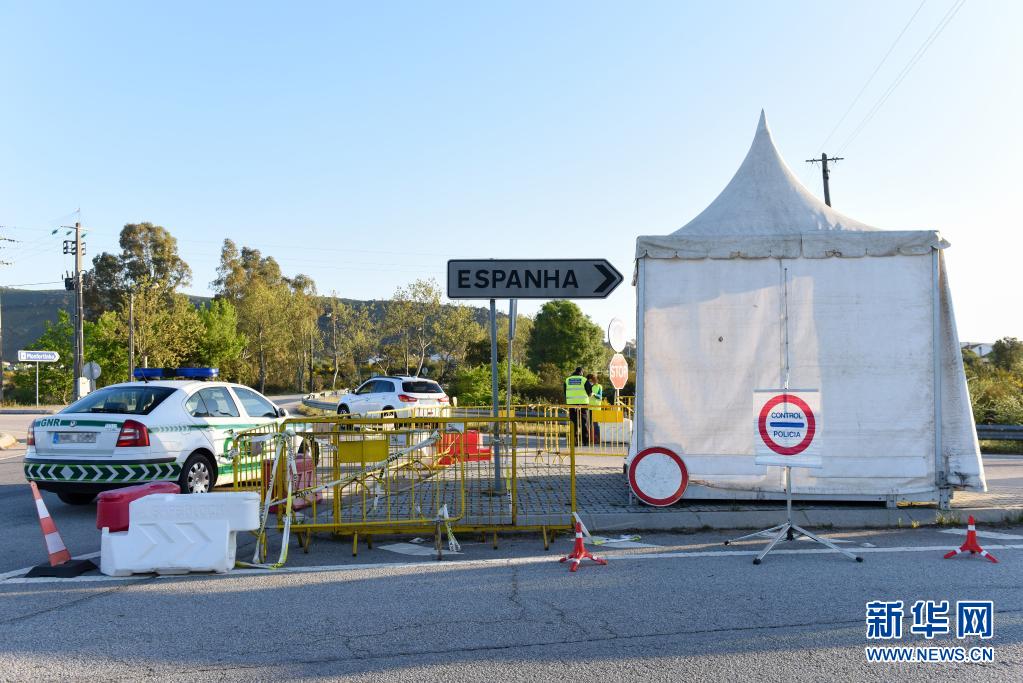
198,373
171,373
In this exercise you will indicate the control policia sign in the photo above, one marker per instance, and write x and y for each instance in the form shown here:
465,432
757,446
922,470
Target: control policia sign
787,427
532,279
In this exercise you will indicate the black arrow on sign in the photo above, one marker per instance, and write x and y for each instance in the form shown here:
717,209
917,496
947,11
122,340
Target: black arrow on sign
611,278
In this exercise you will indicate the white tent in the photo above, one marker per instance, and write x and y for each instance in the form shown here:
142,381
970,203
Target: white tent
768,281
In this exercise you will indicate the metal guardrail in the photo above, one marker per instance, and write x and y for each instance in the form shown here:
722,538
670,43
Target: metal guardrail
1000,432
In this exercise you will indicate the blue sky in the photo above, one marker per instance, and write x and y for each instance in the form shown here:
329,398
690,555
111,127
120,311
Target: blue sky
364,145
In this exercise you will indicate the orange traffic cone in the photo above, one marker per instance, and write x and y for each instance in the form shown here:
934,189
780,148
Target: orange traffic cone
579,552
61,564
971,545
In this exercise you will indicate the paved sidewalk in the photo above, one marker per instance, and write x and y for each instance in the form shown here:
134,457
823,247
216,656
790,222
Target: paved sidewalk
603,503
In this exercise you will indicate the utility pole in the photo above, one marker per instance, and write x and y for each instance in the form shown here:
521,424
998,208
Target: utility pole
79,309
131,336
1,354
826,173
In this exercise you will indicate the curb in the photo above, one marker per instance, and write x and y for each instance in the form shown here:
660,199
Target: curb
815,518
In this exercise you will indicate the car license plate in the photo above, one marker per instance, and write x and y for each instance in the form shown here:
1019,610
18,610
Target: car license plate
74,437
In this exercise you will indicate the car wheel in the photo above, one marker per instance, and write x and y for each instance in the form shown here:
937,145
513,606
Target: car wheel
198,474
343,410
76,498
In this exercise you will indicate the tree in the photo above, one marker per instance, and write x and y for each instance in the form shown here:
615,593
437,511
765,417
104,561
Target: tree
220,344
472,384
457,332
350,338
1007,354
149,256
106,343
479,350
411,323
167,328
277,315
565,337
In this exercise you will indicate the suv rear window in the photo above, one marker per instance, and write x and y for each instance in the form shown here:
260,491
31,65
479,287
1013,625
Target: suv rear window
421,387
136,400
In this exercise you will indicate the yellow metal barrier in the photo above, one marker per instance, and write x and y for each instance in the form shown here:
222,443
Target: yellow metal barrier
608,433
379,476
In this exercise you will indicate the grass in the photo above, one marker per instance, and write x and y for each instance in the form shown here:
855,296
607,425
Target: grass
948,519
1001,447
1013,519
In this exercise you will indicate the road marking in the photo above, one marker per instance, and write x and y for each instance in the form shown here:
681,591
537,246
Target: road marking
12,457
506,562
985,534
413,549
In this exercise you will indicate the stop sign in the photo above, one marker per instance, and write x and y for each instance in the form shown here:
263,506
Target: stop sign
619,371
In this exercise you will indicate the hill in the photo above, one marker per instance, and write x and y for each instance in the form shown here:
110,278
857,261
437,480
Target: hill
26,312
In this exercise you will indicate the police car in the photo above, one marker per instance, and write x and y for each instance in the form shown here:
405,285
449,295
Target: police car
157,429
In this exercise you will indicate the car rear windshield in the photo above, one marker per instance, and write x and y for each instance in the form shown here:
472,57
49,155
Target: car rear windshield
421,387
136,400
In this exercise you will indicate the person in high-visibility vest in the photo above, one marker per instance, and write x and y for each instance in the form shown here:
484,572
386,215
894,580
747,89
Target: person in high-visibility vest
577,393
596,400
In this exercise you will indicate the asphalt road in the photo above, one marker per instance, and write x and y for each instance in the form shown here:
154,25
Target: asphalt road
686,609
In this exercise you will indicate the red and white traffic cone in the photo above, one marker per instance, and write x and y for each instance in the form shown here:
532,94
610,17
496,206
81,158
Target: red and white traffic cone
971,545
61,564
579,552
54,543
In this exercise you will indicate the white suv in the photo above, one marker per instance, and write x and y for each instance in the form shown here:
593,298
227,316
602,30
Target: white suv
398,396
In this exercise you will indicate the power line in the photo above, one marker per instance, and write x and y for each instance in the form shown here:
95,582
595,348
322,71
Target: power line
874,73
33,284
917,56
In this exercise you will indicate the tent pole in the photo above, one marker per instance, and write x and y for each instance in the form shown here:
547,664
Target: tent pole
940,472
785,300
637,416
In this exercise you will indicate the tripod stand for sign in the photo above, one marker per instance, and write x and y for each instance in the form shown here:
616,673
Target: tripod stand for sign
788,529
788,435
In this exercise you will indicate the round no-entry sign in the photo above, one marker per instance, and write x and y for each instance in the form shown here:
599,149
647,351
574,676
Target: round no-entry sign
658,476
786,424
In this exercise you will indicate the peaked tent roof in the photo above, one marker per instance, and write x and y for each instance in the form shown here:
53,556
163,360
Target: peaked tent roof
765,211
764,197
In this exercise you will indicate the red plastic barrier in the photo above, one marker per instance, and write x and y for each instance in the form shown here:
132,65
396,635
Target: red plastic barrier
306,470
457,447
112,506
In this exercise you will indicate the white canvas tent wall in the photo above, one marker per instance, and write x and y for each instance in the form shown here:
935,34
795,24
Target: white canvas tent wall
869,323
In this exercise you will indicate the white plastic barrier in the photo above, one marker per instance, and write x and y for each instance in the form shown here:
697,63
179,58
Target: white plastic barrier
616,432
174,534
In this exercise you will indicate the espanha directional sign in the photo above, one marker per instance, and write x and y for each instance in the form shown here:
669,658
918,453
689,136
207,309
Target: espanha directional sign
532,279
37,356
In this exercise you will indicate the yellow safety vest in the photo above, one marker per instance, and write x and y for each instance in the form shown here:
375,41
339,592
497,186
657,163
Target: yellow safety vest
597,398
575,391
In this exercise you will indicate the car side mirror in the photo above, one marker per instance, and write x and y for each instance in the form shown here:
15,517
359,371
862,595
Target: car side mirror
282,412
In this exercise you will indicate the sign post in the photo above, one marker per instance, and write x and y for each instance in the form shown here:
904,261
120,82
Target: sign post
616,339
92,371
37,357
787,429
525,279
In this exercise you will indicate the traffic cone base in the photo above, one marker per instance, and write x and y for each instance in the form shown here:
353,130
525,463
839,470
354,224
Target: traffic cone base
61,565
971,545
579,552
